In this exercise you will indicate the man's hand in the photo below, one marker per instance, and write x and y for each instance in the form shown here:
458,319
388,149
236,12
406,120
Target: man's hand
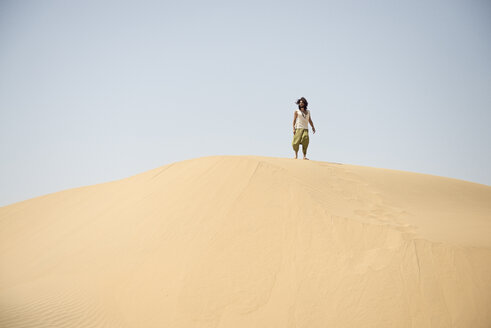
313,129
294,131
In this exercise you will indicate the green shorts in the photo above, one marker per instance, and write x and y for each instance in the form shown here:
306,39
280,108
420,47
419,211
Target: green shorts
301,137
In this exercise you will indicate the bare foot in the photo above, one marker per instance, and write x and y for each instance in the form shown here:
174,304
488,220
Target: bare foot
306,158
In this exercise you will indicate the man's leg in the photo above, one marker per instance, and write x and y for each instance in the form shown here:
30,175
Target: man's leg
296,141
305,143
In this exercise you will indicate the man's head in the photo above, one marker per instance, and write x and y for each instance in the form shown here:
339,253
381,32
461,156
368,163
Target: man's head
302,103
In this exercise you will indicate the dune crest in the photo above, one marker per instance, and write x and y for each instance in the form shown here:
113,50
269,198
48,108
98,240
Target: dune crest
246,241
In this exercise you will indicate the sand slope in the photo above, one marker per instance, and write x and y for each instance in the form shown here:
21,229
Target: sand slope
243,241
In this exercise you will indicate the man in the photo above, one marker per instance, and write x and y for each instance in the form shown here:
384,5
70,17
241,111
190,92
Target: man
301,120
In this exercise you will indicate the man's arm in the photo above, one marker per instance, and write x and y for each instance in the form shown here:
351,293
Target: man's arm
294,120
311,123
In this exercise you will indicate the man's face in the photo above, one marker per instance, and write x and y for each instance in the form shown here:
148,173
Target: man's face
301,104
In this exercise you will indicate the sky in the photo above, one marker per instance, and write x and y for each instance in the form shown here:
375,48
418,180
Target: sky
96,91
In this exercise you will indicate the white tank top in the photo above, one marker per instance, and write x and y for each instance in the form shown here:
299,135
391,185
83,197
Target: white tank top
302,122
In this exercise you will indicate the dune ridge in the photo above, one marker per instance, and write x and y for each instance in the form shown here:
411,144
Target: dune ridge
248,241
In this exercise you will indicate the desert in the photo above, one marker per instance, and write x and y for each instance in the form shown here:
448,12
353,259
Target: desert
250,241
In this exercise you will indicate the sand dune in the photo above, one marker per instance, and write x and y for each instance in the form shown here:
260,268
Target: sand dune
244,241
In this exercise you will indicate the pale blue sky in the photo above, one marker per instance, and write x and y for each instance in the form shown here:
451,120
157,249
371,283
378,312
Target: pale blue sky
94,91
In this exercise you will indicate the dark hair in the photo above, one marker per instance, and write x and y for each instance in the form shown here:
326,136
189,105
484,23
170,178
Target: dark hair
304,101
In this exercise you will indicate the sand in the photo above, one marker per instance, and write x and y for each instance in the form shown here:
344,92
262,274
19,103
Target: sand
245,241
